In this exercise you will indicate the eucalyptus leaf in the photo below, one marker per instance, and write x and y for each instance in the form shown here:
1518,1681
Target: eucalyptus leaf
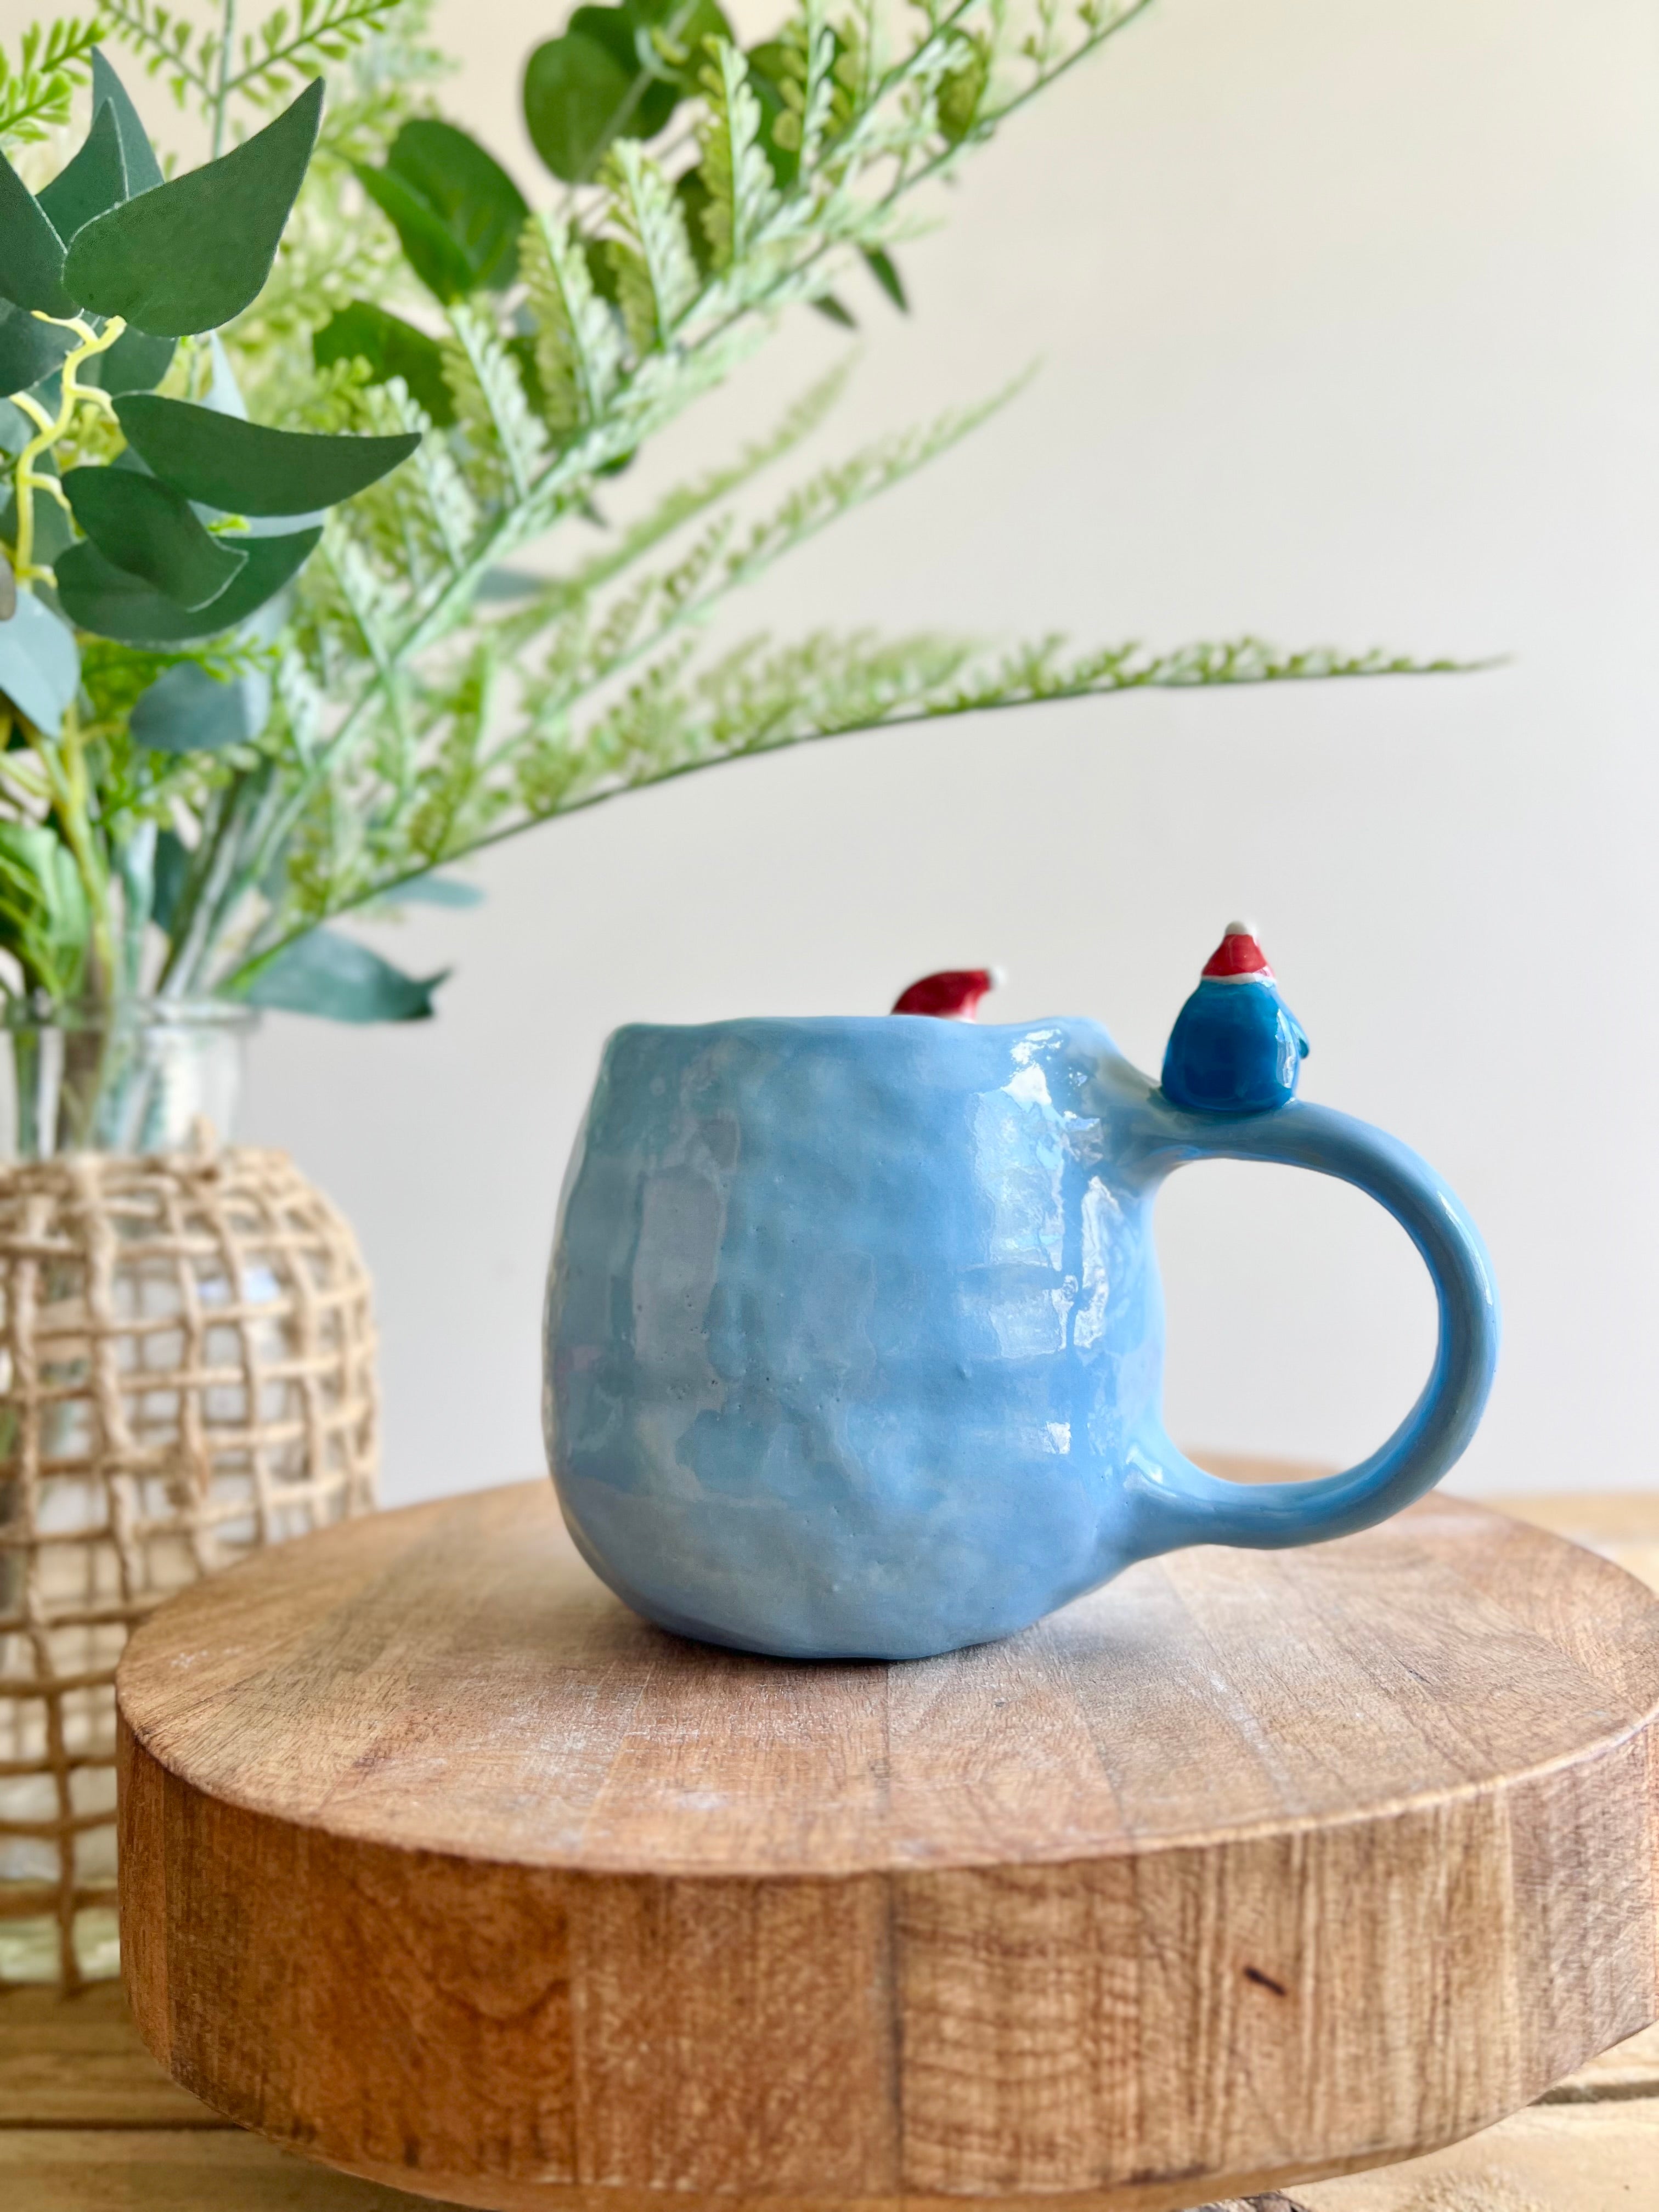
29,348
327,974
98,596
143,170
575,98
30,251
192,253
39,665
15,428
469,190
91,184
616,72
8,587
655,94
188,709
245,468
136,363
432,253
456,212
389,347
660,40
150,530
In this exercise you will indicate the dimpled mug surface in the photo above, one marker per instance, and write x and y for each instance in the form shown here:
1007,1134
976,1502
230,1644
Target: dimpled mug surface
854,1335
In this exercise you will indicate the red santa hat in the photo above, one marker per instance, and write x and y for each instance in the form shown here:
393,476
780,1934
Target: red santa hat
952,996
1238,958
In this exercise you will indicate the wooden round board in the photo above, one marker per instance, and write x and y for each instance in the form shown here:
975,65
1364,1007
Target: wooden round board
439,1866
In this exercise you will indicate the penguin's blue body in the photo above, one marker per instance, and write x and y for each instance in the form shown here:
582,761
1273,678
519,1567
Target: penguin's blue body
1235,1047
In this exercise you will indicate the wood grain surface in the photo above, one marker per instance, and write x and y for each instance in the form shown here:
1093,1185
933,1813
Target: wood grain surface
88,2123
443,1868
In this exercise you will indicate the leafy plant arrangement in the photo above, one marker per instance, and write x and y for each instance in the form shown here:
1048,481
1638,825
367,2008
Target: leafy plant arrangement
235,716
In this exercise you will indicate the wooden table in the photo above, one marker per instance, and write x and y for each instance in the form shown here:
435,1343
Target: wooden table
87,2121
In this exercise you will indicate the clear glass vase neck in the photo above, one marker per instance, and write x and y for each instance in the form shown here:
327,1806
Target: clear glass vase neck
126,1075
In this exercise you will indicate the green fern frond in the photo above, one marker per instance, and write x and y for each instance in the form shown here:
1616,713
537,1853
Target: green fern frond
301,701
1044,671
168,46
675,509
724,560
284,49
270,60
657,277
578,353
337,249
759,698
818,79
735,169
454,803
450,513
505,440
36,89
420,521
825,686
754,697
853,72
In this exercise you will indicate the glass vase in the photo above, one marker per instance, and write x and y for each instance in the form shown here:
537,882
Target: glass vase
138,1075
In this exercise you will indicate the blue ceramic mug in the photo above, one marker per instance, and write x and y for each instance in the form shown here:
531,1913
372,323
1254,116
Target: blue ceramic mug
855,1333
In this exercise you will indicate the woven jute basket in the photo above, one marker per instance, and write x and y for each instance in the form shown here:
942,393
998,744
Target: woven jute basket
186,1373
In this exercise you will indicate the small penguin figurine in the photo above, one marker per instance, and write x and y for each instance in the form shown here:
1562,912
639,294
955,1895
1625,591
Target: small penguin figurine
952,995
1235,1047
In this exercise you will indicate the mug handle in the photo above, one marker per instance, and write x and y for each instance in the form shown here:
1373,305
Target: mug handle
1177,1503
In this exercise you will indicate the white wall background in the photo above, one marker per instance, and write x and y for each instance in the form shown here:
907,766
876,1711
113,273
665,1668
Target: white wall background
1348,319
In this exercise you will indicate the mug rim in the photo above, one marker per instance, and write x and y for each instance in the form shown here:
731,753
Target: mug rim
875,1023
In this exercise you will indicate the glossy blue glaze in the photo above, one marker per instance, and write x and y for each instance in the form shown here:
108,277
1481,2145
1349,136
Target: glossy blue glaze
855,1333
1235,1047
